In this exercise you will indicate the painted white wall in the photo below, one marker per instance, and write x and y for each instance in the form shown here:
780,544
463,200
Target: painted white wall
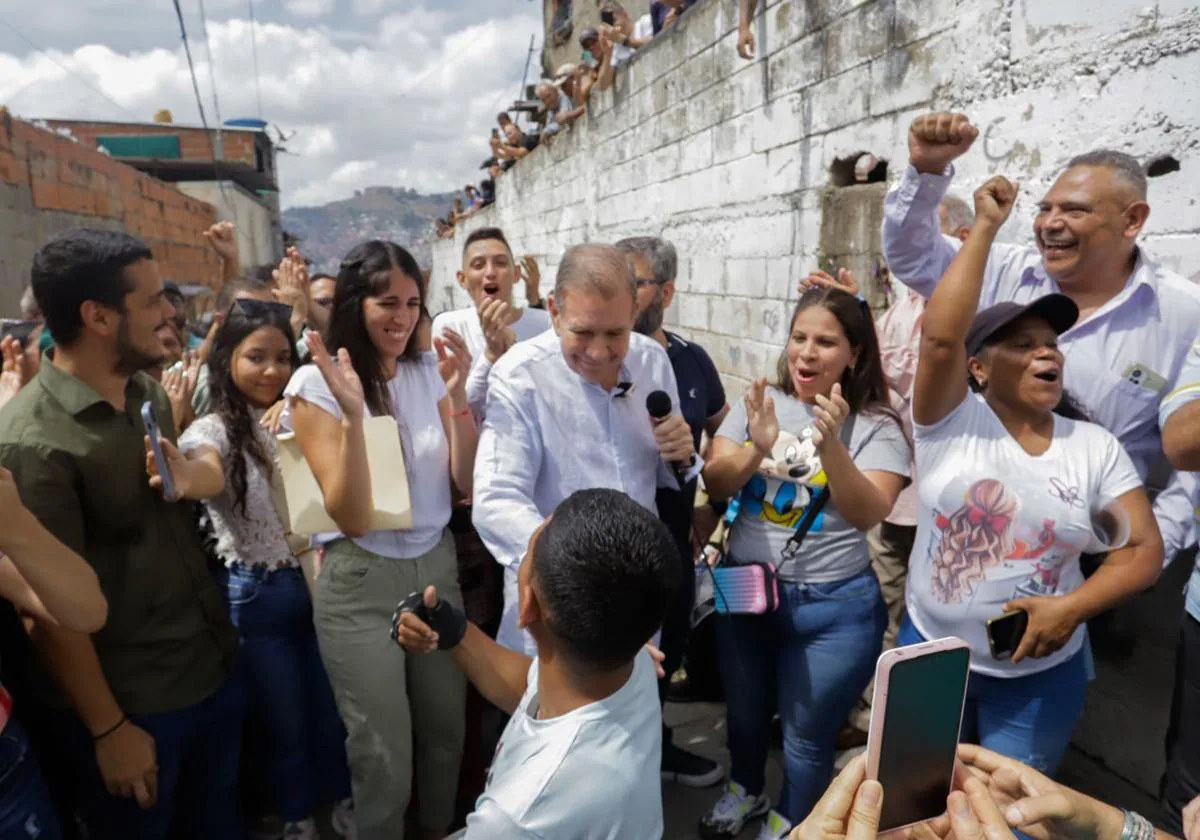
728,158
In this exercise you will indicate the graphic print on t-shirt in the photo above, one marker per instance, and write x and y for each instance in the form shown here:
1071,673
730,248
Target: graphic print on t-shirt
785,483
981,544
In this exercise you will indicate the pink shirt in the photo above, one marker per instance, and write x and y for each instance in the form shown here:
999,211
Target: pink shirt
899,331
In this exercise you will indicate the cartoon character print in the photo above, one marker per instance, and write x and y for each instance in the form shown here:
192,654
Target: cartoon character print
780,492
975,537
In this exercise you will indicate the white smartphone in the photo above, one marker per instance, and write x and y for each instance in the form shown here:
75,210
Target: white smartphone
916,715
152,431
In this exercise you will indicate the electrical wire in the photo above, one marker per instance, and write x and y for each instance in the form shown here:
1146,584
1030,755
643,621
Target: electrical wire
212,81
254,54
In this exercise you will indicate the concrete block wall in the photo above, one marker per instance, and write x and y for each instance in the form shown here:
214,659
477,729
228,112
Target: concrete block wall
49,183
731,160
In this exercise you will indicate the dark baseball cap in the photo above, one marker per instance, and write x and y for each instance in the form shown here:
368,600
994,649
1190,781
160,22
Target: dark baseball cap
1058,310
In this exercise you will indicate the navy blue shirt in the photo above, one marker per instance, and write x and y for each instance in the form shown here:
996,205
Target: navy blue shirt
701,396
659,12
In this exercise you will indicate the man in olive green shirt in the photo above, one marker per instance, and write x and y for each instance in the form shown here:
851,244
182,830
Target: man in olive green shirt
157,717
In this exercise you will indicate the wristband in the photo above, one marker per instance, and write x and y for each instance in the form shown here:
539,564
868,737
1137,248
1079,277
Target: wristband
445,619
466,412
110,730
1136,827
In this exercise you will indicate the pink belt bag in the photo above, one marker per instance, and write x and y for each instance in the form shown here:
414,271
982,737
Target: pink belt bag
750,589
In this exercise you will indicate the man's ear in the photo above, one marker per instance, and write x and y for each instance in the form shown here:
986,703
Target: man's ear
555,314
462,280
1135,218
668,294
96,316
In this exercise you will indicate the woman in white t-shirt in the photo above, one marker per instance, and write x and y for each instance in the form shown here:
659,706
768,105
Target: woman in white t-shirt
777,452
1012,491
387,700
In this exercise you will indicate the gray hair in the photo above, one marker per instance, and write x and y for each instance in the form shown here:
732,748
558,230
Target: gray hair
597,268
658,252
958,213
1124,166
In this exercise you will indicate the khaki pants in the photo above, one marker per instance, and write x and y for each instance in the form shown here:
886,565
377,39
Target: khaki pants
385,695
889,545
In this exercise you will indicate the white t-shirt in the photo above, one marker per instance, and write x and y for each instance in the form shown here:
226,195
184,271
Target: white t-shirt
466,323
533,322
591,774
643,29
997,523
415,392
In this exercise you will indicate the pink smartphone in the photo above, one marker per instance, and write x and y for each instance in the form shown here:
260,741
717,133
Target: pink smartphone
916,715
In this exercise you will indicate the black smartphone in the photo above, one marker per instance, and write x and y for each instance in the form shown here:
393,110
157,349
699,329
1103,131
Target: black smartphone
1005,633
20,330
607,17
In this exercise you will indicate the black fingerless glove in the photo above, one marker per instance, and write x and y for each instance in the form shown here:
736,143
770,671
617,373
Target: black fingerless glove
445,619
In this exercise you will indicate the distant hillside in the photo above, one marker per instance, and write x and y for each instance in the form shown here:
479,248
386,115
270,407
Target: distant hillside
401,215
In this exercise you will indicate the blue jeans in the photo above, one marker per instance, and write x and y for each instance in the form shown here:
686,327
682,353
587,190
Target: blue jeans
290,697
813,656
197,749
1028,718
26,812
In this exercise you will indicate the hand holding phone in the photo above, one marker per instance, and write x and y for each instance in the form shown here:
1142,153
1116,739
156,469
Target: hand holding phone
916,714
1005,633
157,466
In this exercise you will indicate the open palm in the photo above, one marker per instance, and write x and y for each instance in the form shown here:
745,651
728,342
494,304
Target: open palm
761,421
340,376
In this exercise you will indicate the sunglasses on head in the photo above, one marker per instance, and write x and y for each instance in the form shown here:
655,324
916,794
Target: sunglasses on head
252,308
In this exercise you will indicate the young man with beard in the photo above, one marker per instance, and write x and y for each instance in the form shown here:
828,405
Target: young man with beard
150,720
702,404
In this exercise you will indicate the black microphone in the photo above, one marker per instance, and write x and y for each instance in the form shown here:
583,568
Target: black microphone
658,403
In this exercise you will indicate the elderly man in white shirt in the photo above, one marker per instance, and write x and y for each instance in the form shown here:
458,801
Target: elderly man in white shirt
1136,318
566,411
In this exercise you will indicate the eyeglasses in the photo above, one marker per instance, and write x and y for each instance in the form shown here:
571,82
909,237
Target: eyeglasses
253,308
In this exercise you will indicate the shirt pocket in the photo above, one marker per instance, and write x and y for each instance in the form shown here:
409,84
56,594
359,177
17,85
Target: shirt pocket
1128,411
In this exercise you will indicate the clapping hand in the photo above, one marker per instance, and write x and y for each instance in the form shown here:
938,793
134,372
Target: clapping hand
831,412
340,376
528,271
934,140
292,277
845,281
179,381
12,375
454,364
761,421
495,317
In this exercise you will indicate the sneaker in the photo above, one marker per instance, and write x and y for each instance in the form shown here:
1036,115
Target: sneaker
688,769
733,810
342,820
774,827
300,830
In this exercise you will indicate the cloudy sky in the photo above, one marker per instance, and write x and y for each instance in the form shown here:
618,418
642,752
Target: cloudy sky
393,92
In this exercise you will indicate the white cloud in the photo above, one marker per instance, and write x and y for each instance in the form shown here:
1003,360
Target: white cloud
406,102
310,8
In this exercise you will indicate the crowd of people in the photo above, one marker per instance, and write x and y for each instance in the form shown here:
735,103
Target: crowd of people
178,660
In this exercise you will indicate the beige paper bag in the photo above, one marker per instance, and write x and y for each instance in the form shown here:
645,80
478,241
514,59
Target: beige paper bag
391,507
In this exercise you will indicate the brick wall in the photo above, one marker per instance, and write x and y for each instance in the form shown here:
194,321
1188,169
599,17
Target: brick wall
194,143
49,183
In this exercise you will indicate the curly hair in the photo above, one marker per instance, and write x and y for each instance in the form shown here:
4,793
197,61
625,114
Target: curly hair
977,537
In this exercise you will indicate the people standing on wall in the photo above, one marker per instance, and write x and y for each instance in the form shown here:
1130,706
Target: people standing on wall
811,463
1012,492
227,460
620,37
566,411
152,731
389,702
1137,318
702,404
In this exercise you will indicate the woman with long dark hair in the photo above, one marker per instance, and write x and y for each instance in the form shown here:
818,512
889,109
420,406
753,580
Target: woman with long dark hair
822,449
387,699
230,466
1014,486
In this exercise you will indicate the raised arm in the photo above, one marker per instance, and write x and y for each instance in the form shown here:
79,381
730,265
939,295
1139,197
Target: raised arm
913,244
454,365
1179,415
336,449
733,462
941,381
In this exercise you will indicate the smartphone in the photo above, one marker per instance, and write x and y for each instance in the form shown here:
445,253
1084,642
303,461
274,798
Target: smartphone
916,715
152,431
608,17
20,330
1005,633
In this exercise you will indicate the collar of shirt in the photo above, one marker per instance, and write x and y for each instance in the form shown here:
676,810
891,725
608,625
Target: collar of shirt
76,396
1143,277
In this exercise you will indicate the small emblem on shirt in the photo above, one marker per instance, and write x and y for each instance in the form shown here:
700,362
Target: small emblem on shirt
691,393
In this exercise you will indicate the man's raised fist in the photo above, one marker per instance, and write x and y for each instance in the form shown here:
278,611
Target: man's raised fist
934,140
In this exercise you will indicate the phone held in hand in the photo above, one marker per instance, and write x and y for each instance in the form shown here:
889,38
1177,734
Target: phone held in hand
19,330
916,714
1005,632
152,431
